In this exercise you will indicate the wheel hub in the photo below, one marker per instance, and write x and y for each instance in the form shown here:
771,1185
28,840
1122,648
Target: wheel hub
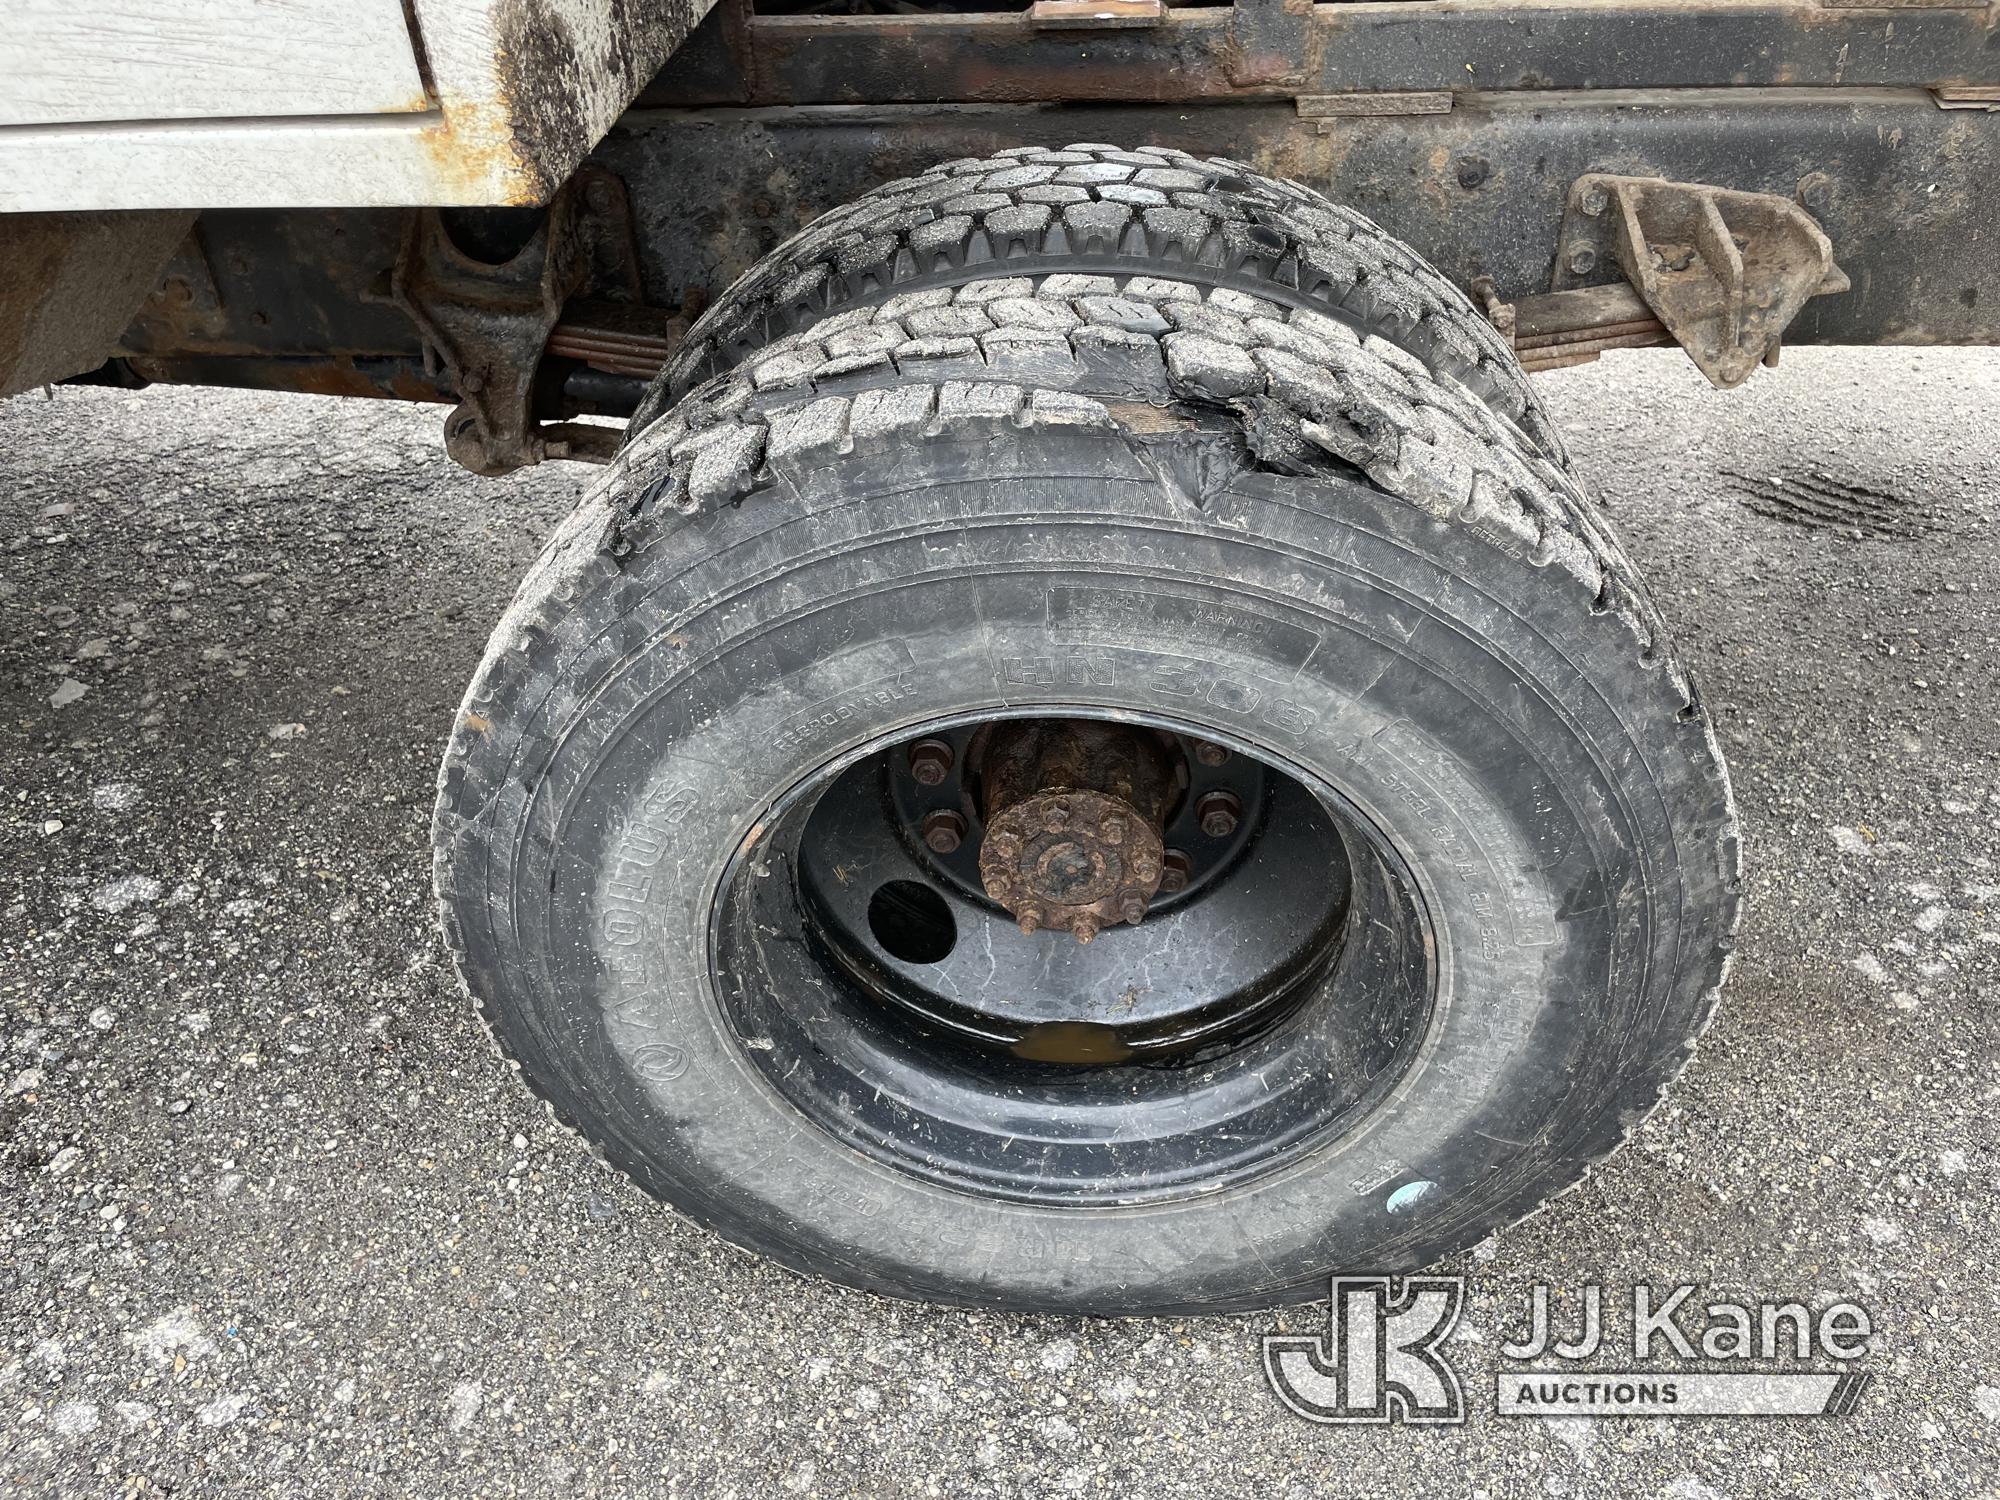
1074,812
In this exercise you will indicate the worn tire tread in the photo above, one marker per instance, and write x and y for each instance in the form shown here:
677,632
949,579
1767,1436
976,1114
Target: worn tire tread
1037,209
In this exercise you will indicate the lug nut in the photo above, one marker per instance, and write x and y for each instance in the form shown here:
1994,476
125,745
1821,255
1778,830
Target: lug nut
1112,830
1174,872
1218,813
1133,909
944,830
1209,753
1030,921
930,761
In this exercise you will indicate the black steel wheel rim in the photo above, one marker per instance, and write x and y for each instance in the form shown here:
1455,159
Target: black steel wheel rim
1257,1015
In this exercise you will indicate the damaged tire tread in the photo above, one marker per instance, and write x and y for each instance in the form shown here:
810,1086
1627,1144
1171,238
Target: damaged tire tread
1308,390
1040,210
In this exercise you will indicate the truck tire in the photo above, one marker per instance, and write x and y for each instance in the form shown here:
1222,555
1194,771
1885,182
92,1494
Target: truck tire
1458,859
1036,211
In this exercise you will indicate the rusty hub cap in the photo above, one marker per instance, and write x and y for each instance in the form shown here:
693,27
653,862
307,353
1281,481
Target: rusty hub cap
1073,816
1075,860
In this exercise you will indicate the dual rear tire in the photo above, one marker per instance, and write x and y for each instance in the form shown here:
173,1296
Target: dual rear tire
1474,917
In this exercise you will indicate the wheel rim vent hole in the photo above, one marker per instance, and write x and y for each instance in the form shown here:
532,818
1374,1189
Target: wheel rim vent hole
912,922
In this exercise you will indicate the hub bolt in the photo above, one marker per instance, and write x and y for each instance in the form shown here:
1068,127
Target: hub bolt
1209,753
1133,909
1112,830
930,761
944,830
1218,813
1175,871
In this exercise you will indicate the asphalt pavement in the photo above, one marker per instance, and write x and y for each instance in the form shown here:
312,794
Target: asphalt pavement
274,1219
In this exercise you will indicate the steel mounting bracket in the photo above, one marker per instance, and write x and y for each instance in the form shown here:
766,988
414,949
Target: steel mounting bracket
489,321
1725,271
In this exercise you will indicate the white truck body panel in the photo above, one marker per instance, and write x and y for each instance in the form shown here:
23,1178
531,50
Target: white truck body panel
103,61
314,103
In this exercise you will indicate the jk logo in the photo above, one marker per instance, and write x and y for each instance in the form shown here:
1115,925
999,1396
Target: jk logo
1380,1358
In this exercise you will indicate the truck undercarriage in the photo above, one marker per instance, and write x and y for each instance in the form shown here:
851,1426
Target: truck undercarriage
1463,129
